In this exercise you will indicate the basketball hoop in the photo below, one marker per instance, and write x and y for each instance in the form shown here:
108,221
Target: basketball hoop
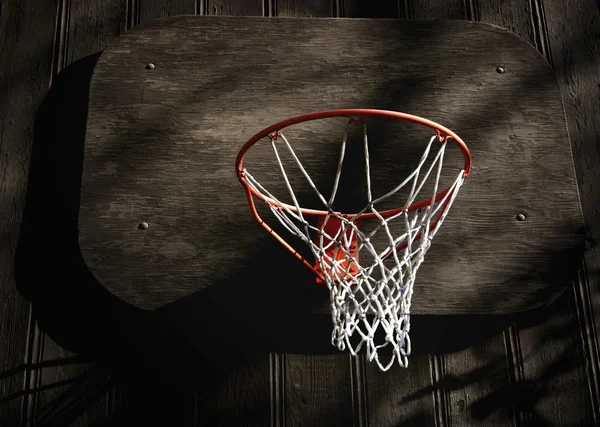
377,295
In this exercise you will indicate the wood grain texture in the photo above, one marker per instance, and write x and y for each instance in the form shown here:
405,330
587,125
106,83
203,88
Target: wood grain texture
400,397
573,38
95,24
135,170
26,45
152,9
552,390
397,397
369,9
234,7
472,384
309,8
317,390
62,379
242,398
68,392
569,38
313,389
514,15
437,9
475,383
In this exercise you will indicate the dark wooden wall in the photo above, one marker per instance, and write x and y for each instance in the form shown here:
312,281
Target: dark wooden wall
542,370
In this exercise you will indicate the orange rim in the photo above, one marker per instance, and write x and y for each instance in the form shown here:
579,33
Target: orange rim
443,134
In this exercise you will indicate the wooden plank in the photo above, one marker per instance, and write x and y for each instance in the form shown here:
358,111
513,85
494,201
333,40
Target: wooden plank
59,393
399,397
562,357
191,254
26,43
242,397
234,7
574,39
467,380
566,37
63,377
436,9
514,15
153,9
314,389
369,9
552,389
309,8
317,390
92,26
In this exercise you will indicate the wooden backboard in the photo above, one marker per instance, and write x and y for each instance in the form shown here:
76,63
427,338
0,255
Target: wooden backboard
161,143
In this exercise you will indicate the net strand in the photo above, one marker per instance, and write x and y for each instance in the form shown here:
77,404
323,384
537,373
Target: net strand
370,304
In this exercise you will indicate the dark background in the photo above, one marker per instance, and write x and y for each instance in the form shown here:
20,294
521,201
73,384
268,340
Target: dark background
60,367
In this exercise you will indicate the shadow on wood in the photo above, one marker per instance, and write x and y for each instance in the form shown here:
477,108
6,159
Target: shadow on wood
195,340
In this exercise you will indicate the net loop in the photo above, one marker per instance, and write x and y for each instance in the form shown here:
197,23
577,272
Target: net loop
370,300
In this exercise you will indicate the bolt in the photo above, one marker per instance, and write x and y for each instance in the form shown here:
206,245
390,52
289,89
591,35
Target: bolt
150,66
143,226
500,70
521,217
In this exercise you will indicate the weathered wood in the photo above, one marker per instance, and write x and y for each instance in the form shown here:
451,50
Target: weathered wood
400,397
514,15
434,9
26,45
61,378
312,389
310,8
469,381
82,29
564,37
318,390
573,38
369,9
152,9
95,24
552,388
396,397
482,245
242,398
234,7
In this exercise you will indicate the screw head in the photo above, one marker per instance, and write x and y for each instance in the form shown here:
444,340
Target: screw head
521,217
150,66
500,70
143,226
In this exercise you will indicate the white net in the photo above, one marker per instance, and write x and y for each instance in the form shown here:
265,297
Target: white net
370,304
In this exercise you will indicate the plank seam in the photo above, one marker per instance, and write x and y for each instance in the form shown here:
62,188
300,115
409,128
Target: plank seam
277,381
32,377
587,328
540,29
61,37
133,13
440,405
405,9
35,340
584,311
359,391
198,7
471,10
515,365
